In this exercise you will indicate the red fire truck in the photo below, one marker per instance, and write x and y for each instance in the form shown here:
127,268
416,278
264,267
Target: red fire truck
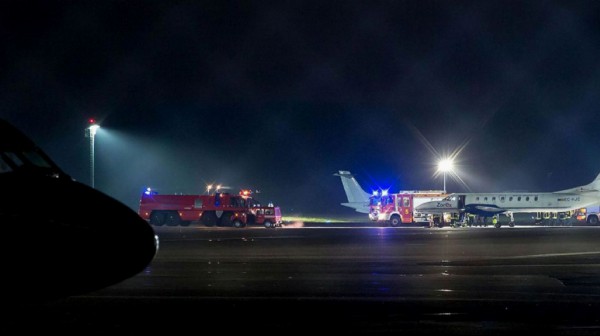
221,209
398,208
589,215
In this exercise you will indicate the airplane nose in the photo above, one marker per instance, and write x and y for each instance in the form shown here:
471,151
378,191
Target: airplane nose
69,243
116,243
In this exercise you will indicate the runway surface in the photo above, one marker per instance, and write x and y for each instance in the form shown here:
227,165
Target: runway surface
358,279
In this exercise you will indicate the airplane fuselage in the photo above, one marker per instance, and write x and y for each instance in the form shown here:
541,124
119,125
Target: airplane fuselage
488,204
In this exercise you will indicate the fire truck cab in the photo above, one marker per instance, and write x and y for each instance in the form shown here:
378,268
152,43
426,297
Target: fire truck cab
589,215
398,208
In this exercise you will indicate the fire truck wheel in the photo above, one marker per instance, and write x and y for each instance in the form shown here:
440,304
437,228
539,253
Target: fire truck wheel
173,218
238,223
395,220
157,218
226,219
268,224
209,218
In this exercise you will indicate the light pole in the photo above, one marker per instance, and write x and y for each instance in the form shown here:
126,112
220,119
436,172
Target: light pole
90,132
445,166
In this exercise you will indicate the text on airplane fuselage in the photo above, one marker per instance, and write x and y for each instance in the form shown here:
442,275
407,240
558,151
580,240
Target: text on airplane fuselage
444,205
569,199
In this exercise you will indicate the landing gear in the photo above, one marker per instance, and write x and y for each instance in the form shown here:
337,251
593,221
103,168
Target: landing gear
511,223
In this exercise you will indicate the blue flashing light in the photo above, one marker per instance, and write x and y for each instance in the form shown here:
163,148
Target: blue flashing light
149,191
375,193
384,192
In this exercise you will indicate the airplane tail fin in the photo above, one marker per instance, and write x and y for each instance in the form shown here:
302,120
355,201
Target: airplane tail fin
593,186
353,190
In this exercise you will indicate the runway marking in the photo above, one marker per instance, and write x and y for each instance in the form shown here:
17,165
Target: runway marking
551,255
245,239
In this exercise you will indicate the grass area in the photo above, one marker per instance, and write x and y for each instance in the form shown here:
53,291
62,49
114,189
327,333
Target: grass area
290,219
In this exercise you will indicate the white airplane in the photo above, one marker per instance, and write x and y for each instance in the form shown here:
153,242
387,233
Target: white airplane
490,204
358,199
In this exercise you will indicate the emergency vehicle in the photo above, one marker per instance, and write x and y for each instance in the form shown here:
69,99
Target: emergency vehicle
590,215
221,209
398,208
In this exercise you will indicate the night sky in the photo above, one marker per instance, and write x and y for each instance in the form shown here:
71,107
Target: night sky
279,95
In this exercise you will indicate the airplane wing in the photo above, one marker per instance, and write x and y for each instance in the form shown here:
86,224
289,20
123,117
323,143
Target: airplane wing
484,209
358,206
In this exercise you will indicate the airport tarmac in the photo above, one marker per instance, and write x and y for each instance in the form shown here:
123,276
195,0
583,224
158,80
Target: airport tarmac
353,279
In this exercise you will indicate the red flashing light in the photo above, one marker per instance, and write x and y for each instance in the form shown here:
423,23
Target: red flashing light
92,121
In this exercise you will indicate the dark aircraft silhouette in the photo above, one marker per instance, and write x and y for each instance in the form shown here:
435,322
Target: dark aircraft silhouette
60,237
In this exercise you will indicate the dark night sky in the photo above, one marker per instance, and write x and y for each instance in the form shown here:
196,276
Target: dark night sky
279,95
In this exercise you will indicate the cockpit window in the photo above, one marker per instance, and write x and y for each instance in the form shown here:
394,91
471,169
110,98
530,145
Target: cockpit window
36,159
4,167
14,158
27,161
